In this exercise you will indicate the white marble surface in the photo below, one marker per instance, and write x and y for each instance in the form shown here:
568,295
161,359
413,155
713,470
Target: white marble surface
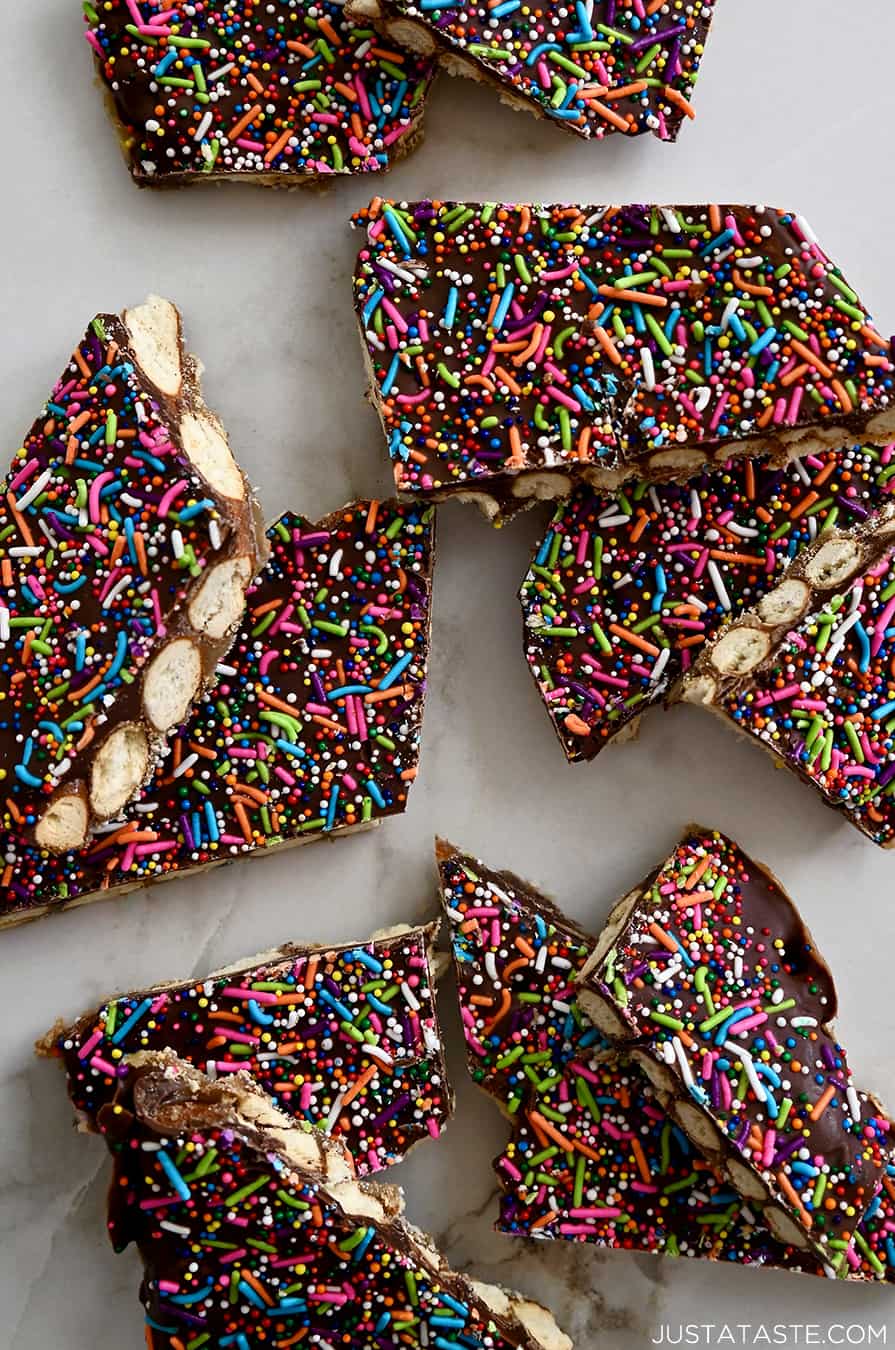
799,114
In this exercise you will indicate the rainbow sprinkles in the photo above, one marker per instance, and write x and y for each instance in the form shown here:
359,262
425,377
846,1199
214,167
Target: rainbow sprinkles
251,1228
312,730
343,1038
624,590
515,351
128,536
594,68
278,94
707,974
594,1157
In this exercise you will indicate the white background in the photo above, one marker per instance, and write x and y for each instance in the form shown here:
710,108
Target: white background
795,107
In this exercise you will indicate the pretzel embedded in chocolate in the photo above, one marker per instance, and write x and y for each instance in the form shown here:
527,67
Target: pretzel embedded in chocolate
316,1250
708,976
517,350
602,69
130,538
807,673
312,731
381,1085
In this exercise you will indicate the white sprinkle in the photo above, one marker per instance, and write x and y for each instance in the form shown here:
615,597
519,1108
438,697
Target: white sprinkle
806,229
661,663
35,490
837,641
742,531
718,583
649,370
739,1053
113,594
397,271
683,1063
334,1113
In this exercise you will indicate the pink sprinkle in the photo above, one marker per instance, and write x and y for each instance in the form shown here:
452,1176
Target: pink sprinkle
104,1066
394,314
609,1212
90,1044
557,394
237,992
170,496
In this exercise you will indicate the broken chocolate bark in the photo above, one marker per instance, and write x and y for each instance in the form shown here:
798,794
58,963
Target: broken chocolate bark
517,350
312,730
624,591
807,673
603,68
248,1227
707,975
345,1039
290,95
130,536
594,1157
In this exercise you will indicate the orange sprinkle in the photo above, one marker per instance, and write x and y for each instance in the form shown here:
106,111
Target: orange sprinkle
239,127
822,1102
634,639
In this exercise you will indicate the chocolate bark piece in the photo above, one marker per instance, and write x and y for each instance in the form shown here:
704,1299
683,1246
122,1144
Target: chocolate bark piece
343,1038
599,69
516,350
624,591
593,1155
129,536
807,673
291,96
708,975
312,730
247,1225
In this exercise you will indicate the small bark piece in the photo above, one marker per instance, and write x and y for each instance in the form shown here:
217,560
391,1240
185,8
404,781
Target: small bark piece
113,523
723,997
619,343
380,1093
307,1228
